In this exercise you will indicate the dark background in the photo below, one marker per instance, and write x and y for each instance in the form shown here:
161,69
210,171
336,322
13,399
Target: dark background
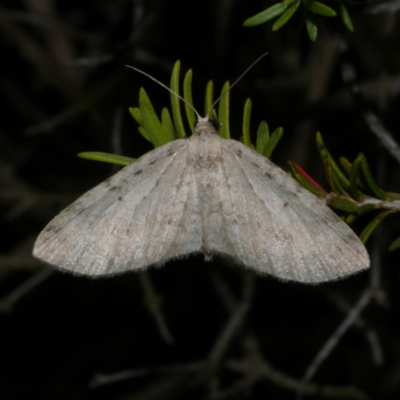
65,90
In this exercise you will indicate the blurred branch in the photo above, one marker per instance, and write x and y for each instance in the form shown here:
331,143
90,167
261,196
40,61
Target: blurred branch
98,93
371,335
257,369
38,56
332,342
349,75
236,319
152,300
318,70
391,6
19,259
22,197
7,303
103,379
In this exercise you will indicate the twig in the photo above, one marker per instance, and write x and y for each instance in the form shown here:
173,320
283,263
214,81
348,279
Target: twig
7,303
385,7
370,334
231,328
256,369
152,301
312,390
349,76
103,379
51,123
235,321
95,95
19,259
331,343
227,297
318,71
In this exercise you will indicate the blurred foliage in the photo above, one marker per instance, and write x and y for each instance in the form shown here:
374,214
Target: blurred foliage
309,8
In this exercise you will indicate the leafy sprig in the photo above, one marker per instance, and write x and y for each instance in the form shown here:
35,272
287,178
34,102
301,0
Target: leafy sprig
310,10
349,185
161,131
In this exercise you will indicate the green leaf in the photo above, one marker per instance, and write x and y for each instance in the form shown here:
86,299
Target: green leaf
366,233
187,95
354,177
395,245
144,133
209,98
266,15
262,137
305,180
151,123
371,181
361,211
136,114
246,124
176,102
106,157
346,165
167,123
273,141
394,195
286,16
341,182
223,111
344,204
346,18
327,160
311,26
321,9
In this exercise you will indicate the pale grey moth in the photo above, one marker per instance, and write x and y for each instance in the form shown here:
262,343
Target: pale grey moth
203,194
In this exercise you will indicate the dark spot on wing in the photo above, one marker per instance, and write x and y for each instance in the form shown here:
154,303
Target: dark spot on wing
112,188
138,172
255,164
268,175
150,163
285,205
120,198
239,153
107,182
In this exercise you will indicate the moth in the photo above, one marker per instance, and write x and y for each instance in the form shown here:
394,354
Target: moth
203,194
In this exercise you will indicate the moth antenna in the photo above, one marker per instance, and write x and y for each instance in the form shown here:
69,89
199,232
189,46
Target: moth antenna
237,80
165,87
